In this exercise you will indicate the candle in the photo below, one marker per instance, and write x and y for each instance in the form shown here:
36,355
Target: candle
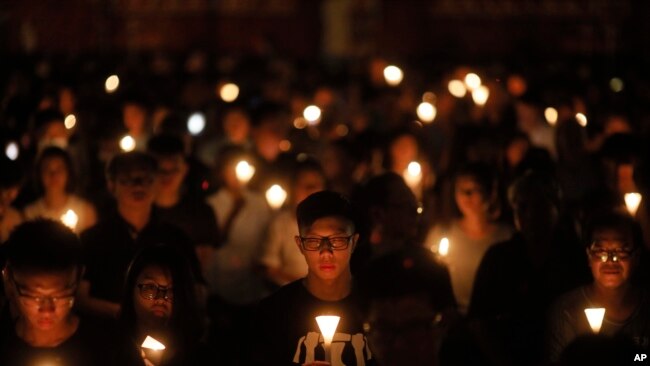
244,171
480,95
196,123
413,174
457,88
551,115
443,247
111,84
152,349
632,201
327,325
312,114
276,196
595,317
70,121
229,92
12,151
127,143
393,75
582,119
472,81
426,112
70,219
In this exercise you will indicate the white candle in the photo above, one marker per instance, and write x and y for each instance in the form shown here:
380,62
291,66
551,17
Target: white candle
276,196
632,201
152,350
327,325
152,343
595,317
70,219
244,171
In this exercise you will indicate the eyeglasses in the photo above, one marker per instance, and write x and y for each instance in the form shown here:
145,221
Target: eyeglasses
333,242
150,291
40,301
616,255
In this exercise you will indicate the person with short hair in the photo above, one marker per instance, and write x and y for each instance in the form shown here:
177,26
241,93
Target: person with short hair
286,329
41,276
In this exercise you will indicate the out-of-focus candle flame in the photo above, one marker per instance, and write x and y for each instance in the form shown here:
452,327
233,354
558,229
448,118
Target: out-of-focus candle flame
443,247
632,201
327,325
480,95
244,171
595,317
127,143
426,112
582,119
12,151
70,121
312,114
112,83
393,75
457,88
616,84
413,174
276,196
152,343
196,123
472,81
70,219
229,92
551,115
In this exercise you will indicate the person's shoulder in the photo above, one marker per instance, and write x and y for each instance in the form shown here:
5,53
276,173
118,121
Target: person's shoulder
288,292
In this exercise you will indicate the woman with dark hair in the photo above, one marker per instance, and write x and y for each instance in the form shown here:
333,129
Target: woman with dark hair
54,177
472,233
160,301
613,246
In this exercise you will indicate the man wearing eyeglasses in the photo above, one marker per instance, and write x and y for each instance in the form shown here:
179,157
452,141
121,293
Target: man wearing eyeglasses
288,332
42,271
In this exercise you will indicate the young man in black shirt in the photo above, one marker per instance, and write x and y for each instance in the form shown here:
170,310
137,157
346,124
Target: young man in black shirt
286,331
41,275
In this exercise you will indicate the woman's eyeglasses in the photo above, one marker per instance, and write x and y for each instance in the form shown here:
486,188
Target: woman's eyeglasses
150,291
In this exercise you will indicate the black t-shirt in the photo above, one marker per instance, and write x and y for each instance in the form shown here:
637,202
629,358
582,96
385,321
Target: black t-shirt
109,249
286,333
90,345
195,217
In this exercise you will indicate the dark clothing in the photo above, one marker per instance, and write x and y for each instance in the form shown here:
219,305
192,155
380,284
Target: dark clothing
109,248
286,332
195,218
89,345
511,295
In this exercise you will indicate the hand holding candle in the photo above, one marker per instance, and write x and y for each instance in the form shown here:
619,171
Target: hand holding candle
632,201
327,325
595,317
152,350
443,247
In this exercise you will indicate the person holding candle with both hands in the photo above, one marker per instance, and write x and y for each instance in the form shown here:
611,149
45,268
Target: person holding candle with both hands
613,248
285,329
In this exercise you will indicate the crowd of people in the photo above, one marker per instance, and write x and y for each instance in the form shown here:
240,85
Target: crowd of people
479,236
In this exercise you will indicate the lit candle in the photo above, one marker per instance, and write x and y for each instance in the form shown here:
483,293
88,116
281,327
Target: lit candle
480,95
70,219
632,201
443,247
229,92
70,121
127,143
413,174
312,114
244,171
12,151
196,123
426,112
595,317
111,84
472,81
327,325
152,349
393,75
276,196
551,115
457,88
581,119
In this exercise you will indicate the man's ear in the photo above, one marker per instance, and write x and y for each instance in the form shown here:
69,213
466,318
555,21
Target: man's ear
355,239
297,240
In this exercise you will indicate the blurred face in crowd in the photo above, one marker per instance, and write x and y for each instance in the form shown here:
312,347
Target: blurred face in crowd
403,331
134,117
307,182
171,173
324,261
135,188
54,174
516,150
152,297
611,258
236,125
44,299
470,196
54,133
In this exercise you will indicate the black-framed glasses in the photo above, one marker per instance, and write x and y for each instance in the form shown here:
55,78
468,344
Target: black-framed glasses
332,242
151,291
616,255
40,301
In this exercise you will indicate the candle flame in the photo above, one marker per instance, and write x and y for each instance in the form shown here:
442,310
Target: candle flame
276,196
327,325
244,171
70,219
393,75
127,143
595,317
632,201
152,343
443,247
413,174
